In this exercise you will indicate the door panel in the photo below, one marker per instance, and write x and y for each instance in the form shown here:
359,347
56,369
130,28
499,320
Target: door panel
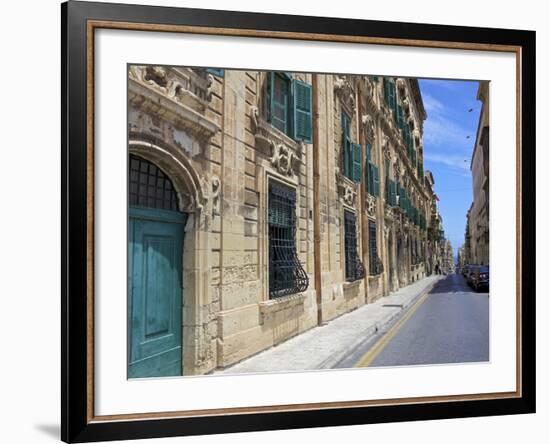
155,293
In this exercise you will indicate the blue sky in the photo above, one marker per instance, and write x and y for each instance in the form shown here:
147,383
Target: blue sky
449,137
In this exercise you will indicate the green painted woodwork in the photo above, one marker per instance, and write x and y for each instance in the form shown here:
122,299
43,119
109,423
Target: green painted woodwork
356,168
279,87
155,292
302,106
346,147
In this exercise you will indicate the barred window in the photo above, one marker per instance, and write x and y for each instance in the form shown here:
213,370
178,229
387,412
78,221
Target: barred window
286,274
375,264
150,187
354,266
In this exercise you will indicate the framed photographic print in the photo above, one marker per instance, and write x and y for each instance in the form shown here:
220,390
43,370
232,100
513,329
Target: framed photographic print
275,221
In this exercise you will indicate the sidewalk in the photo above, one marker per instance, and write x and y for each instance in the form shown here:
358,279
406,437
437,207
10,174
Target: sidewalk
324,346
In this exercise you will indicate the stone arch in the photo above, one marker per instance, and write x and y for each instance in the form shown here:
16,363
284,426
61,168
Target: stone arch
198,354
189,186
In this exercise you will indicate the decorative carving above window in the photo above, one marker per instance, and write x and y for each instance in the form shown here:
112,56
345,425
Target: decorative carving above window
284,153
368,123
283,158
400,84
370,87
386,147
347,189
371,205
185,85
345,92
180,95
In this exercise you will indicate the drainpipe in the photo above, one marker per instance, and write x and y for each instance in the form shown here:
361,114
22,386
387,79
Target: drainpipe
316,198
363,190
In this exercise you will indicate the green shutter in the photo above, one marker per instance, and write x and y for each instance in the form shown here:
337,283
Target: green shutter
356,154
302,107
386,91
279,102
391,97
400,117
346,158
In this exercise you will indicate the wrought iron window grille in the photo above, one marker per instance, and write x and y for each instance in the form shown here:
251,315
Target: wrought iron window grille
354,267
286,274
375,264
150,187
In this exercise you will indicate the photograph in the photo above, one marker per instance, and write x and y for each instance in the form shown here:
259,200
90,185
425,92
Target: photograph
300,221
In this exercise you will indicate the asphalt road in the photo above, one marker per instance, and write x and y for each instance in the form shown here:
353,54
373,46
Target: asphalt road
449,325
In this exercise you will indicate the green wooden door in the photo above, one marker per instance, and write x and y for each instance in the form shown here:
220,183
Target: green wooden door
155,248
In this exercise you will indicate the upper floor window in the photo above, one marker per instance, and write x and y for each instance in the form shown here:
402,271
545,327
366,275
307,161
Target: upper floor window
390,96
391,186
351,152
373,174
289,106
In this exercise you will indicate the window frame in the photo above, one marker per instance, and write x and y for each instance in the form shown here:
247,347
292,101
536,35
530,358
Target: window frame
285,248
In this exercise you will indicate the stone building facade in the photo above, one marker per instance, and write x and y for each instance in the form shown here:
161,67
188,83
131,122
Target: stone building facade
477,228
271,202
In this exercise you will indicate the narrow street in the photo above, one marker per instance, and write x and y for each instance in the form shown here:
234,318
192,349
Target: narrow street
449,324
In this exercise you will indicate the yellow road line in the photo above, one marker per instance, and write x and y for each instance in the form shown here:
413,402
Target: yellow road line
371,355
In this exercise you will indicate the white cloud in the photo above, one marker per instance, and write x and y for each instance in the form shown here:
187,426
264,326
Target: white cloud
432,105
459,162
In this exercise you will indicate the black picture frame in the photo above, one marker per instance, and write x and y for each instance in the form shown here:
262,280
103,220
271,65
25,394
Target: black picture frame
77,425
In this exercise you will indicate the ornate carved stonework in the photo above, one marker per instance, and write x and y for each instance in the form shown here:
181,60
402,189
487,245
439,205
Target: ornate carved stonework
283,158
345,92
255,116
406,105
400,84
346,189
370,87
388,213
215,193
187,86
386,146
284,154
371,205
368,123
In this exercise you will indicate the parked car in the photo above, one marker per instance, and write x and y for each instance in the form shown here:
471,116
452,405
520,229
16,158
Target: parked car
469,273
480,278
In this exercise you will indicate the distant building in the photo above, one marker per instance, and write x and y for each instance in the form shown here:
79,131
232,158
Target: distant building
478,220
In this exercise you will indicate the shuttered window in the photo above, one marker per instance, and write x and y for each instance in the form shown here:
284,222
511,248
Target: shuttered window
354,267
302,105
373,174
289,106
280,101
286,274
347,154
391,195
389,95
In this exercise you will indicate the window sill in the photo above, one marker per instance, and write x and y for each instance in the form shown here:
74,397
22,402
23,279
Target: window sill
351,284
282,303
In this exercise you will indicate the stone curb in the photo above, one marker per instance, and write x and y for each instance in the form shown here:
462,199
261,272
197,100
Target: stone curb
331,361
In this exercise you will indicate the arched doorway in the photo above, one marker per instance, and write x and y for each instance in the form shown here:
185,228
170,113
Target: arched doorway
155,283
